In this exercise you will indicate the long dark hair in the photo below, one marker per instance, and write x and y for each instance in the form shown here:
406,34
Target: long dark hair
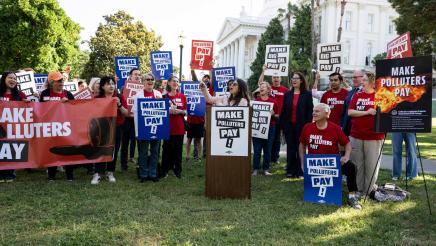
3,86
168,88
104,80
303,84
242,93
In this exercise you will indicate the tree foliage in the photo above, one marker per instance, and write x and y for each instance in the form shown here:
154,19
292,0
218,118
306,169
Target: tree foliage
36,34
380,56
300,39
272,35
419,18
120,35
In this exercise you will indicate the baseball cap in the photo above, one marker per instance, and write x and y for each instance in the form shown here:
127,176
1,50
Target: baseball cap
55,76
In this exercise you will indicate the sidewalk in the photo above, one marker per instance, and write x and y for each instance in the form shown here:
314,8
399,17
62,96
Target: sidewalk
386,163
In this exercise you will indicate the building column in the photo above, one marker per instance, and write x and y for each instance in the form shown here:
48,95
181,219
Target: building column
224,57
235,59
232,53
229,54
241,56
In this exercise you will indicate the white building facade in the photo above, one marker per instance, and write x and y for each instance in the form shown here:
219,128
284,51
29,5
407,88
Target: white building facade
367,27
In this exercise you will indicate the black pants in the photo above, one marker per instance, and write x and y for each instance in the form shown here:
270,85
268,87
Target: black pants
128,139
102,167
172,155
349,170
69,170
275,150
292,134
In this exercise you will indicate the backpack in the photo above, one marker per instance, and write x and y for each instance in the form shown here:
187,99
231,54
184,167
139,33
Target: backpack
389,192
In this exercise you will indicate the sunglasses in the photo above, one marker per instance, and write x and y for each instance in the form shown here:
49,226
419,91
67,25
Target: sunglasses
149,79
295,78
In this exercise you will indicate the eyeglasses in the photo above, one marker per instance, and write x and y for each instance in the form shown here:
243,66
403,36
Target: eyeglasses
149,79
295,78
334,79
355,77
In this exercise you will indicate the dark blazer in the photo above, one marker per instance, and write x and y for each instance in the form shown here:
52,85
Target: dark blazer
304,109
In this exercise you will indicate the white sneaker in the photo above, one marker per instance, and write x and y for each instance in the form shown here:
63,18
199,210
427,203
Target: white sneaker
267,173
132,160
110,177
95,179
254,172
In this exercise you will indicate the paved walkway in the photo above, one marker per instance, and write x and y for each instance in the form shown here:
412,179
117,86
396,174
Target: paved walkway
386,163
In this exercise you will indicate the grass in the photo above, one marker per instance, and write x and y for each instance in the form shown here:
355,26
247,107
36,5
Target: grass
173,211
426,141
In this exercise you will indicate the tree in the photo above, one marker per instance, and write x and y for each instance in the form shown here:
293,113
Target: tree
36,34
272,35
120,35
380,56
419,18
300,39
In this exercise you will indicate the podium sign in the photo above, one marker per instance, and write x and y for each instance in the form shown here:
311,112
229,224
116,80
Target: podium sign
228,157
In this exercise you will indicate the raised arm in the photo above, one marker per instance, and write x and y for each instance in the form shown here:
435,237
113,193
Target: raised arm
262,76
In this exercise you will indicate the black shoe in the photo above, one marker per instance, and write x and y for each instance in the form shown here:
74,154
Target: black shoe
179,176
155,179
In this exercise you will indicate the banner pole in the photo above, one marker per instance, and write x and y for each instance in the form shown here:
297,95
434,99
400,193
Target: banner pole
375,168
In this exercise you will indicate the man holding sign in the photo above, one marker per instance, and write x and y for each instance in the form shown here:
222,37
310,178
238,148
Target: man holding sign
323,137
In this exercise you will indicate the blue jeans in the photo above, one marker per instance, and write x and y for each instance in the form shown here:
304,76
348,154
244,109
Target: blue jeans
148,163
397,149
260,144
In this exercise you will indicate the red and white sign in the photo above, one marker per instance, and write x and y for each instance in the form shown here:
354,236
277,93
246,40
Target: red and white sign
131,88
84,94
202,55
400,47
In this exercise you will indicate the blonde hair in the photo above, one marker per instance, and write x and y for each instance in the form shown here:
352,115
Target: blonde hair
371,77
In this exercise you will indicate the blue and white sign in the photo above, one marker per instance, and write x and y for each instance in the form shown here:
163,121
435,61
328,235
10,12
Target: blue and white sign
161,64
323,179
153,119
39,81
123,65
195,100
220,77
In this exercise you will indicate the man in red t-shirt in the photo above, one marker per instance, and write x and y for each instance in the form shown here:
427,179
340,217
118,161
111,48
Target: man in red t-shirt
324,137
277,91
335,97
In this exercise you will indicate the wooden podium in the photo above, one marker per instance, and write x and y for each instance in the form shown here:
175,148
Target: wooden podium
227,176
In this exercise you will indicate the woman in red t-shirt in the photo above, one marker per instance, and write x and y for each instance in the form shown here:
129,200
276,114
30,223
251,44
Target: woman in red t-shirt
107,90
9,92
172,149
365,141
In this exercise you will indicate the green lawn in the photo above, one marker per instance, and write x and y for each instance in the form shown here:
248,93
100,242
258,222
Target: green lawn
427,144
35,212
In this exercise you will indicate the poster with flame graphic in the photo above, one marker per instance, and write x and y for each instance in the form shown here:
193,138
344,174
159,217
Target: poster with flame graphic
403,94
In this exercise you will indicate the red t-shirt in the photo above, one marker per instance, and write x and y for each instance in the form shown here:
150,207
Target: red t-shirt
54,96
278,92
8,97
177,127
195,119
336,103
148,94
275,108
323,141
363,127
120,117
294,108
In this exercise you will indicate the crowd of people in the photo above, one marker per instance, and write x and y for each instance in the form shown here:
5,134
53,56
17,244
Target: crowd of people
342,123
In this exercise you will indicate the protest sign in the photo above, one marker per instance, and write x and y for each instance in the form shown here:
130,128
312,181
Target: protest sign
400,47
153,119
404,94
323,179
261,119
220,77
229,131
40,81
131,88
329,58
84,94
161,64
196,103
71,86
277,60
39,135
123,66
26,82
201,54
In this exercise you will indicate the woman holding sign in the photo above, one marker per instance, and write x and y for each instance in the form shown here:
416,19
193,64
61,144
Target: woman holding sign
9,92
172,149
296,112
265,144
365,141
238,95
107,90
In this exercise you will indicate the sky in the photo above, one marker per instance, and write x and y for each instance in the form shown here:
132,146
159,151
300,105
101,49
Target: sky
197,19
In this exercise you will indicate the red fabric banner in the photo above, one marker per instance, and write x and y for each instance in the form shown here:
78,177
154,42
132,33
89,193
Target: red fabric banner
39,135
202,55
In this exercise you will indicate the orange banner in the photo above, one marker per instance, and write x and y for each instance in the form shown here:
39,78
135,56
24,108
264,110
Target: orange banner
39,135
